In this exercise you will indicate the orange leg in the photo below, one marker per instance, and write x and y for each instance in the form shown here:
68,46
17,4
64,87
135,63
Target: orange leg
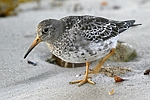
86,78
99,65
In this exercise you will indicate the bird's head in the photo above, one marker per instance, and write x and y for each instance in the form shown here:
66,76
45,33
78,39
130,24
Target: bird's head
47,31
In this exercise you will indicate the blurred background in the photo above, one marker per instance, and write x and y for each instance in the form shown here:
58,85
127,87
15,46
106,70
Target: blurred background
94,7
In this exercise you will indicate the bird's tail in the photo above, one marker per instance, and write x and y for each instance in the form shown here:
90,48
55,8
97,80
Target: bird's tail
135,25
131,23
124,25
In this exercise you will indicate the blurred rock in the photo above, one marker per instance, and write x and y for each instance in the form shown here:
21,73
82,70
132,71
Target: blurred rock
77,7
104,3
56,3
7,7
116,7
124,52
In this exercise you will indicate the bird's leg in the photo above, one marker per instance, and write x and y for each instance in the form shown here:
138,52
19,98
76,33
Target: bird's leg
99,65
86,78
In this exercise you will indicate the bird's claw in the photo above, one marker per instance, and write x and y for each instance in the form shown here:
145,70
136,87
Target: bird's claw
81,82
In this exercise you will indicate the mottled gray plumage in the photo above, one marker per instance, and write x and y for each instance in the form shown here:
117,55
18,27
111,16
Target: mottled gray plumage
80,39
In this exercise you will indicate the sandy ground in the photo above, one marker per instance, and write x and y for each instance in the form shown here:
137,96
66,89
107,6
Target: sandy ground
22,81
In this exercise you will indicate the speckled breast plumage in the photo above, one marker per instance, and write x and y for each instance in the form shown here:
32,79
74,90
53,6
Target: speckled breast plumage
86,38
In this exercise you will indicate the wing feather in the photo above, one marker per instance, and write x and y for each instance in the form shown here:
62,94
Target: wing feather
96,28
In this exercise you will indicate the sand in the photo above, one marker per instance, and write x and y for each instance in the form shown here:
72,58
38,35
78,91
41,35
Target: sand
22,81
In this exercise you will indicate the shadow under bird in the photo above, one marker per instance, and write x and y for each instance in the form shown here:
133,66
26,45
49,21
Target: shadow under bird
81,39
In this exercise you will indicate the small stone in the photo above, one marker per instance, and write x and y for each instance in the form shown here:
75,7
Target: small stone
118,79
77,7
78,75
147,72
116,7
104,3
32,63
111,92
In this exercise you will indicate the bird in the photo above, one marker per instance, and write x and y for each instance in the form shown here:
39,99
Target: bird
81,39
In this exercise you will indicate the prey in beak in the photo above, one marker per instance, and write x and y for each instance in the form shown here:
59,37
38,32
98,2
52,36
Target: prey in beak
35,42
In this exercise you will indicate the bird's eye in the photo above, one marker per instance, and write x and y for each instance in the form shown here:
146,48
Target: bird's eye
45,30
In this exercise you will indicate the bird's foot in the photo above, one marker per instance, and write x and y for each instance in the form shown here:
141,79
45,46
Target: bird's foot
81,82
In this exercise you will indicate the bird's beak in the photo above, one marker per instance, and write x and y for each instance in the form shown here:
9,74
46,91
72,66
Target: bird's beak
35,42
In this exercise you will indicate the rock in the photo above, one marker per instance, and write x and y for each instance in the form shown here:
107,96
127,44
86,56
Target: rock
124,52
58,61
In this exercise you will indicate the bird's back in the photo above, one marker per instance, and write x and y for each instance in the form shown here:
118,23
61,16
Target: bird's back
96,28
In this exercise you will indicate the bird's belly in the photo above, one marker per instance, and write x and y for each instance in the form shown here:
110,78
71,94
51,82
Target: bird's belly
85,53
82,57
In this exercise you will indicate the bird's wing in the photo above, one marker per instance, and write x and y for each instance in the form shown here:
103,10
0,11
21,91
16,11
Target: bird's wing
96,28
